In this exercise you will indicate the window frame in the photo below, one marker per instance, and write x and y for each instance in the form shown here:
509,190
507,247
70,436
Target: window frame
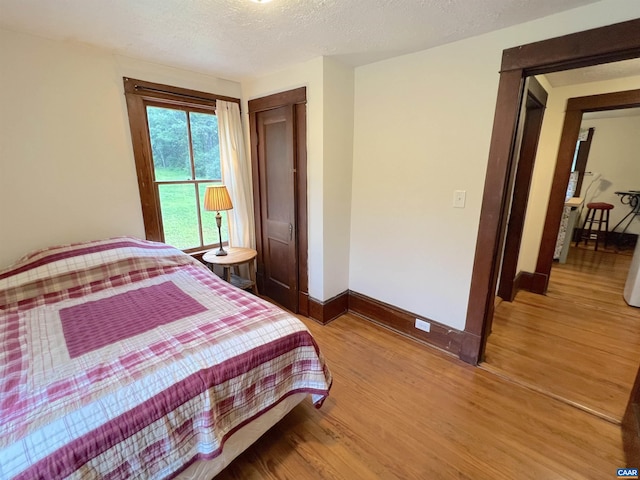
139,94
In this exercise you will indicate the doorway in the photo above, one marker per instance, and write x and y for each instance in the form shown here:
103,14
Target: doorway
576,107
278,152
579,343
591,47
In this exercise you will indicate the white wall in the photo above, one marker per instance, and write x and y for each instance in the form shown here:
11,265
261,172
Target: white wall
615,153
329,160
67,172
309,74
338,166
422,130
546,158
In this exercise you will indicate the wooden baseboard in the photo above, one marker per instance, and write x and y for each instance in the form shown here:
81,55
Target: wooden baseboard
462,344
328,310
532,282
303,303
469,348
621,240
402,321
521,282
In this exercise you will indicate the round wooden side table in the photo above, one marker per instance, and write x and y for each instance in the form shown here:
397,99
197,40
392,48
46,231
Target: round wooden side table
235,257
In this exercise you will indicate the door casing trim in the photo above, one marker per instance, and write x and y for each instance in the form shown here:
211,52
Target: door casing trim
591,47
298,99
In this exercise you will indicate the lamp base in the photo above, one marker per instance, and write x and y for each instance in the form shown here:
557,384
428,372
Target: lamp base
220,252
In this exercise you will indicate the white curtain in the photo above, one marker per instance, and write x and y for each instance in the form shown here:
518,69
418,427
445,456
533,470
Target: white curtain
236,175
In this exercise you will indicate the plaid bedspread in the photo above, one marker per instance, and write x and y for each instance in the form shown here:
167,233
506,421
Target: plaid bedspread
128,359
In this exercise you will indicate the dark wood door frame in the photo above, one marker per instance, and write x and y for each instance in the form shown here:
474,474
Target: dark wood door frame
601,45
532,114
576,107
631,426
582,158
298,99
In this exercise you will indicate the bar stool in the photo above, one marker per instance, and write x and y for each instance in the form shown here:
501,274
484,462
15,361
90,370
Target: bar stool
595,207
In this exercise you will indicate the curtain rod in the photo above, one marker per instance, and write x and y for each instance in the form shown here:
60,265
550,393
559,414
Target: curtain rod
158,90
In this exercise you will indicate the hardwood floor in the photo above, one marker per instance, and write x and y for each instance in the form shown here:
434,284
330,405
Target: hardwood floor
580,342
402,410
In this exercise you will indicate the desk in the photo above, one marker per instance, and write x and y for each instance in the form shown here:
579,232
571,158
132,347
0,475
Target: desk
631,198
235,257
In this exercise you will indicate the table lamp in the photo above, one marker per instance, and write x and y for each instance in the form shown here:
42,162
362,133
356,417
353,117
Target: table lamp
216,199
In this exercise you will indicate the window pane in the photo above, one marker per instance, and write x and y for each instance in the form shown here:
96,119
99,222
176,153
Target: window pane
179,215
169,143
206,151
209,227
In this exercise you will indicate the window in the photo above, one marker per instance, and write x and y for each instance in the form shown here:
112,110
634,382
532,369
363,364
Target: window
186,158
175,142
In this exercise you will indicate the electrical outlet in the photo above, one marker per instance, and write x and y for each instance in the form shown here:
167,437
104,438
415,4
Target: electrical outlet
422,325
459,198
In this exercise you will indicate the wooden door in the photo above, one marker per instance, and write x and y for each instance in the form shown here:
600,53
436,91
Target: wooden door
279,163
276,154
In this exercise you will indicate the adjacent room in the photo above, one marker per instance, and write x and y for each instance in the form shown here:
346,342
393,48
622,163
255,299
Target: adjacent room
319,239
585,353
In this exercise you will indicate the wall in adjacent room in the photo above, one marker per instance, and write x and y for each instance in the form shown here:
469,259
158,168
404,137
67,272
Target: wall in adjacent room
615,154
547,156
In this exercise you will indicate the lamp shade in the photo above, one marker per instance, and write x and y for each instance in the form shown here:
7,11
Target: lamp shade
216,198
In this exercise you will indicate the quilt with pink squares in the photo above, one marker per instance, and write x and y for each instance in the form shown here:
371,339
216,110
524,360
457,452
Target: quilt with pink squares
126,358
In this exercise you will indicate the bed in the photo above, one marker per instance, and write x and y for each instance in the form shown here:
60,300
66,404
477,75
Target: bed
125,358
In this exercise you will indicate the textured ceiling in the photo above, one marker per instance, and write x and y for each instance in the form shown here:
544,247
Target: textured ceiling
238,38
607,71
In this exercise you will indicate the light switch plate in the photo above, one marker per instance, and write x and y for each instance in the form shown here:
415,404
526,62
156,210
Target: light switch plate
459,198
